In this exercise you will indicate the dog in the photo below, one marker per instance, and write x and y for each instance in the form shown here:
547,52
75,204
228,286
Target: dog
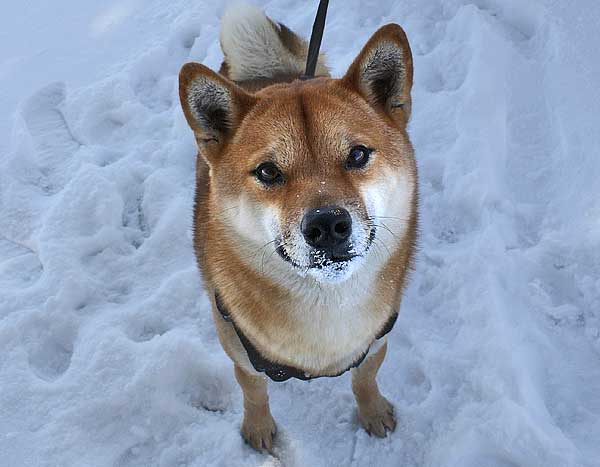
305,213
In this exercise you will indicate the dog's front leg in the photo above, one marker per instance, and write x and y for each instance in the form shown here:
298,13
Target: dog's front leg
258,427
375,413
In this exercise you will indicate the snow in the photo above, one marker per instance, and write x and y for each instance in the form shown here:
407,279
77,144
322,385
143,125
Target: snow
108,352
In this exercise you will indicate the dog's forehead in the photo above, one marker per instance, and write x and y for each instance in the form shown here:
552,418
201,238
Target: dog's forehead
317,120
318,103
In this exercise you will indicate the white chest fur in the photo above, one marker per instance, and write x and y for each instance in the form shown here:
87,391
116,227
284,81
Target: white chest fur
328,326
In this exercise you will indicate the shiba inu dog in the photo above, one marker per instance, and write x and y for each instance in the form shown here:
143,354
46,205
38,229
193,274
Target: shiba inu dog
306,209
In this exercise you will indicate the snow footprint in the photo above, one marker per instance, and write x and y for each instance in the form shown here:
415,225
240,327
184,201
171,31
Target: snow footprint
145,330
416,384
20,267
134,216
519,25
138,454
51,351
430,30
51,137
446,67
152,81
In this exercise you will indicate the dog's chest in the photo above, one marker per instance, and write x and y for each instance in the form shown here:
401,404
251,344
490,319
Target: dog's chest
329,331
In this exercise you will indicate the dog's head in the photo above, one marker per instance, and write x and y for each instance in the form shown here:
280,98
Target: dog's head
318,169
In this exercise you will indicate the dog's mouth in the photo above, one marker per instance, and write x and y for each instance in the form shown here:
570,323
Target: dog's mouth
283,254
321,259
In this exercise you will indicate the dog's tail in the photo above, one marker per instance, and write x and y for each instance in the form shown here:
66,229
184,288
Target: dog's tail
256,47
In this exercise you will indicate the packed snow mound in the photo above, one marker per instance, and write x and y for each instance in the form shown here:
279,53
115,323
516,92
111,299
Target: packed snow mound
108,353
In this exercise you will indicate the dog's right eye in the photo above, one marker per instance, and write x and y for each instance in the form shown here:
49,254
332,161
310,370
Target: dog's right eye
269,174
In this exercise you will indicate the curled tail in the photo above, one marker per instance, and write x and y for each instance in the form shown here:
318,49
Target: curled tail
255,47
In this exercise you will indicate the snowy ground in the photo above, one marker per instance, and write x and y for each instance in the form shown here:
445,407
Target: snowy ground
108,356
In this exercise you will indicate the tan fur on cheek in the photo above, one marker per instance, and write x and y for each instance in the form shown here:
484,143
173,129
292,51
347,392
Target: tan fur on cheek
251,220
388,200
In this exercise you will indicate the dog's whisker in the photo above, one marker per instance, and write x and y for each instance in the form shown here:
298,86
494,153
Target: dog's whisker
389,230
383,225
269,258
258,251
229,209
386,217
263,249
262,266
379,241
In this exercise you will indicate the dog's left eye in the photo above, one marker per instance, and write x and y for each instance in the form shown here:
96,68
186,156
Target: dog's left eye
358,157
268,173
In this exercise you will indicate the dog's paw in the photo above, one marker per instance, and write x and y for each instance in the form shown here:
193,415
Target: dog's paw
377,417
259,433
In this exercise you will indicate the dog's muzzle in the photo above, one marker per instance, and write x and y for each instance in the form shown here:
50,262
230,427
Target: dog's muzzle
328,232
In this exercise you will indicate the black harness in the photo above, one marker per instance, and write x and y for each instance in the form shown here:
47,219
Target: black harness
278,371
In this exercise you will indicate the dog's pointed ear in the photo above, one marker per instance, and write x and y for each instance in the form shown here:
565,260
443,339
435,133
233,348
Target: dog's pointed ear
383,71
213,106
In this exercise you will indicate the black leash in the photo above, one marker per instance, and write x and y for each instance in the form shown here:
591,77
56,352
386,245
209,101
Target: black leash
315,40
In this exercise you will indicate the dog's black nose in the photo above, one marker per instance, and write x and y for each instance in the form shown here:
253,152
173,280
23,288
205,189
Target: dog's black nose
326,228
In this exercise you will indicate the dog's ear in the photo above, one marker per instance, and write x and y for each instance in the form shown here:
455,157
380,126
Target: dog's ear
383,71
213,106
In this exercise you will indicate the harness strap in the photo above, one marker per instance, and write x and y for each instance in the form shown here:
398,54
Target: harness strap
278,371
315,40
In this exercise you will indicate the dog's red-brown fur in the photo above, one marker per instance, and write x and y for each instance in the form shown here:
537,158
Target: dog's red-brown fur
307,127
